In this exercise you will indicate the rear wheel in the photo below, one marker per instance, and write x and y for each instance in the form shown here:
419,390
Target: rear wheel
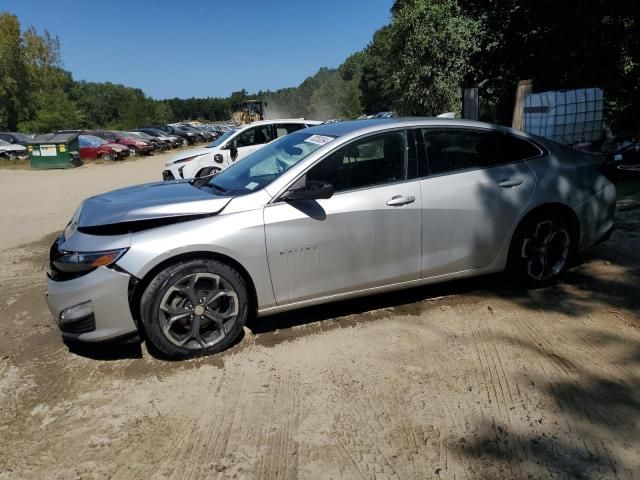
541,249
192,308
208,171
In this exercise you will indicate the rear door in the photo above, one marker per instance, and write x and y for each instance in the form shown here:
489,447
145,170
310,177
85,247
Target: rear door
283,129
476,187
367,235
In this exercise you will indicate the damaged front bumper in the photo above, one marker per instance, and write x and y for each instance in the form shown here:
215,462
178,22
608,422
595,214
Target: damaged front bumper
93,307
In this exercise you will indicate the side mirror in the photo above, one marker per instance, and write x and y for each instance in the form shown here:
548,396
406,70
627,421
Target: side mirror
311,191
233,151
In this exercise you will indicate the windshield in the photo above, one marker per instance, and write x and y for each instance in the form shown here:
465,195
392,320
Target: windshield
3,143
265,165
90,141
220,140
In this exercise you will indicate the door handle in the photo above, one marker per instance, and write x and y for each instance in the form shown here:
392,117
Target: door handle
512,182
400,200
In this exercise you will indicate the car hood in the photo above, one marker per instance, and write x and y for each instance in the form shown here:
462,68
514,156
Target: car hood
115,146
151,201
13,148
188,154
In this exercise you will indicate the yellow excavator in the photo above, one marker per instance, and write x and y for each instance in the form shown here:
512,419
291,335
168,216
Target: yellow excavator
248,111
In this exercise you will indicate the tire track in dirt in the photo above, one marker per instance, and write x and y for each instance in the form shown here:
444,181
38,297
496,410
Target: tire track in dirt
565,373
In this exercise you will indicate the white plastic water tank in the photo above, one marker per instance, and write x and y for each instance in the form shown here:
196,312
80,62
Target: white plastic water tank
567,116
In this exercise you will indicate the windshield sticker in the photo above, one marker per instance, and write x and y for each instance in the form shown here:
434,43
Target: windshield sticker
319,139
251,186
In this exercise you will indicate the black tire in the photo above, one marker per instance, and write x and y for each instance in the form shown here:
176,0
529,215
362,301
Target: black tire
541,249
206,171
164,302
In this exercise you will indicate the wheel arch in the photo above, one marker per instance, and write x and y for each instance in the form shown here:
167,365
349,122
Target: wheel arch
555,208
138,286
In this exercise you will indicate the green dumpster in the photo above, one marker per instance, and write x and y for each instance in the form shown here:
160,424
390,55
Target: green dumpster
54,150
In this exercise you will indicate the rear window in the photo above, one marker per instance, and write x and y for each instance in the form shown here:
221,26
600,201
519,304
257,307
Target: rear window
449,150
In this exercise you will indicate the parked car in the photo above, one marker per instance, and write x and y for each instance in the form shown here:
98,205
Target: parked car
189,138
92,147
622,155
136,146
9,151
16,138
170,140
155,142
322,214
201,135
229,148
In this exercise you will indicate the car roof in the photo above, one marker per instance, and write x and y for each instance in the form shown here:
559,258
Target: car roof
281,120
339,129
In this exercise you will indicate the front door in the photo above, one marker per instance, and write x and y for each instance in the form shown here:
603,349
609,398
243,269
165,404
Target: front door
366,235
251,140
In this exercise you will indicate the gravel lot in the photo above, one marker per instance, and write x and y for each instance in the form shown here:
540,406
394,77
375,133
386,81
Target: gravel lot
464,380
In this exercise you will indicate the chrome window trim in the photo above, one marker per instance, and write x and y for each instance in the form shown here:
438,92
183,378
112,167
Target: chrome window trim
278,195
543,151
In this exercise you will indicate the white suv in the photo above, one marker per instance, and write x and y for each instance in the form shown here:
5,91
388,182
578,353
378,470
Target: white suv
230,147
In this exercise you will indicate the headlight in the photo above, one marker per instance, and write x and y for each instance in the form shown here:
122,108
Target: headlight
141,144
77,262
183,160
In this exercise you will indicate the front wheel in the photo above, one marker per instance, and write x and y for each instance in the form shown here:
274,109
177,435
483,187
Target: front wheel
133,151
196,307
106,157
541,250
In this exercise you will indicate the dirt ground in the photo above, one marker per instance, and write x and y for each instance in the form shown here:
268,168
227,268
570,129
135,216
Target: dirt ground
464,380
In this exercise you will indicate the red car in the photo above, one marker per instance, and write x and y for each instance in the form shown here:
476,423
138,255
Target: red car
136,146
92,147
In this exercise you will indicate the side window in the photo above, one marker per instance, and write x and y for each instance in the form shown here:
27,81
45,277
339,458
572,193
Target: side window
283,129
375,160
458,149
515,149
254,136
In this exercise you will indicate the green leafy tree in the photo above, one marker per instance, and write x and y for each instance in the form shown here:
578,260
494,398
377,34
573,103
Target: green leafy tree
50,105
560,45
431,45
376,82
14,78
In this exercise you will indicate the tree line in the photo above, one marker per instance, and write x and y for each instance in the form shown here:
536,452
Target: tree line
418,64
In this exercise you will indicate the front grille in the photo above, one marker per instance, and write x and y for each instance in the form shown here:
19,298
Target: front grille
82,325
167,175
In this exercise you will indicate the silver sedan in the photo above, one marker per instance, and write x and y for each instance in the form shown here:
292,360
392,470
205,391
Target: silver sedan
331,212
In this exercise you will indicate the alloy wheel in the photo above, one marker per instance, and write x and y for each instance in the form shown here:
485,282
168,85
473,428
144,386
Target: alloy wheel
198,311
545,250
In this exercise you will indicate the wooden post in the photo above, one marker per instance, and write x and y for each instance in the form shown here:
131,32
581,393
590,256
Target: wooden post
525,87
471,103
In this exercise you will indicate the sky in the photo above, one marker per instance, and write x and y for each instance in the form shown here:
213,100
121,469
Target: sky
203,48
